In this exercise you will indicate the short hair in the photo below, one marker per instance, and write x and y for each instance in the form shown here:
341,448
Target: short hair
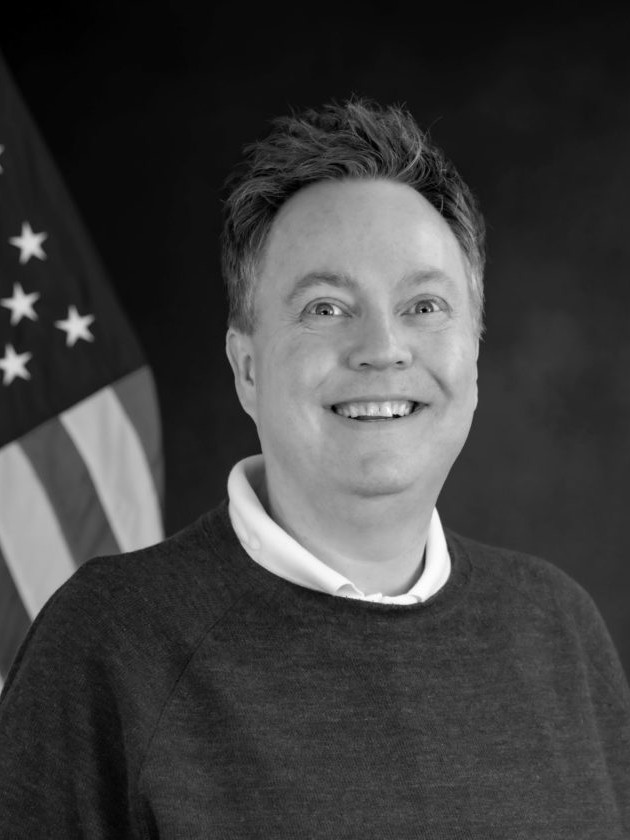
354,140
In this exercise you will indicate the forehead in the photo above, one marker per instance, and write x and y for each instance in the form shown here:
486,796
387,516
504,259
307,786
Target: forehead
358,227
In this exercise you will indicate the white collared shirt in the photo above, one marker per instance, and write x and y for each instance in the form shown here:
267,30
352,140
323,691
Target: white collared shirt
272,547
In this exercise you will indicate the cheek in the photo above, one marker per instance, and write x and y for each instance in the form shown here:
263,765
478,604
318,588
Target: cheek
454,368
467,382
297,370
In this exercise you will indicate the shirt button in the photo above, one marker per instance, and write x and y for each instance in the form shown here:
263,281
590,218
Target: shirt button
253,542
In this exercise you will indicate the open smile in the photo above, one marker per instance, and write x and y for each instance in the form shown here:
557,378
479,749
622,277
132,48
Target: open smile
376,410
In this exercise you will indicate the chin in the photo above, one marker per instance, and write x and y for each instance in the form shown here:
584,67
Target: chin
378,479
393,473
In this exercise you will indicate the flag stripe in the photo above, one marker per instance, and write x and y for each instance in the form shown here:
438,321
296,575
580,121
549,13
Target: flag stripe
70,490
35,549
109,445
137,395
14,620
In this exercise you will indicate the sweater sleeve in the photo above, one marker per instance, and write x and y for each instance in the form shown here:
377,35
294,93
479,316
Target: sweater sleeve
612,695
598,649
63,763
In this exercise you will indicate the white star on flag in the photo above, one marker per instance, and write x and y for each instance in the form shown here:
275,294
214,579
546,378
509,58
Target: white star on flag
21,304
14,364
29,243
76,326
1,151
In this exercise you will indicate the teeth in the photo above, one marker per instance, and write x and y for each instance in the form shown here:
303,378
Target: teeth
399,408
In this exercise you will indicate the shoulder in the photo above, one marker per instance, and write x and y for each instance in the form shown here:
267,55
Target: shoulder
104,653
147,604
525,575
198,566
538,600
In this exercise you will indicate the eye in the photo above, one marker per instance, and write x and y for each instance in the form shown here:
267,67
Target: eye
427,306
324,308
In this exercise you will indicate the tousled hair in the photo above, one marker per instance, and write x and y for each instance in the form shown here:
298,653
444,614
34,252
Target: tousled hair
354,140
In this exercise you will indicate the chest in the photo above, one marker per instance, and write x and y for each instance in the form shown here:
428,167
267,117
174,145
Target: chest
374,740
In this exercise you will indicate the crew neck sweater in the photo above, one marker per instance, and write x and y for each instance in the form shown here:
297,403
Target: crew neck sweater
183,691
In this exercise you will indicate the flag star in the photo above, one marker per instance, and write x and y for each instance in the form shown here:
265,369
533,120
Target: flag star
21,304
1,151
13,365
76,326
29,243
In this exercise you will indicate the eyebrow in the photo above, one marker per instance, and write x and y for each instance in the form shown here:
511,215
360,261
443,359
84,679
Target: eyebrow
319,278
347,281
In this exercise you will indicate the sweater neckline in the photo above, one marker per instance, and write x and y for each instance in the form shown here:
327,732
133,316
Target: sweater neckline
265,585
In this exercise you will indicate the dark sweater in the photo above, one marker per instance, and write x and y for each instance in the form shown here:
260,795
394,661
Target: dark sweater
184,692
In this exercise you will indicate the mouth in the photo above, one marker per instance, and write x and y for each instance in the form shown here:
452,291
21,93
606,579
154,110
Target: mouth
367,411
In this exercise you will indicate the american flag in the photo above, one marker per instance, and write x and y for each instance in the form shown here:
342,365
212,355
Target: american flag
80,443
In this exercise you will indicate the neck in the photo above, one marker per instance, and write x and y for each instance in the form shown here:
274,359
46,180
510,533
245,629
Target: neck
376,542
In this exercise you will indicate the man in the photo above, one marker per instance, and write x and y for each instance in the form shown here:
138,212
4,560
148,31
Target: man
319,658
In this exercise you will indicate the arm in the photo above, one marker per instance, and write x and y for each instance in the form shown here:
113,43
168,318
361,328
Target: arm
63,766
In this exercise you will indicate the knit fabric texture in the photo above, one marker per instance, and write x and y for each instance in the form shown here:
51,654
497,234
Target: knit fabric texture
183,691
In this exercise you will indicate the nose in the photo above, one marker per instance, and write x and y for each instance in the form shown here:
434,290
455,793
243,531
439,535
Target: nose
379,342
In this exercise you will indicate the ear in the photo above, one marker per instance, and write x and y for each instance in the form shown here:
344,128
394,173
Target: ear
240,352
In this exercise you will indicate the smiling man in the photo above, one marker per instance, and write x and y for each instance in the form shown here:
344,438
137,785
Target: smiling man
318,657
360,373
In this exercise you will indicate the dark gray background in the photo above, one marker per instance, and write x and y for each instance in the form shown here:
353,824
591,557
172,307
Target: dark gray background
145,107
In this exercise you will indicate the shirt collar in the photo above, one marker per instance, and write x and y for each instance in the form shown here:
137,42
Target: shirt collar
272,547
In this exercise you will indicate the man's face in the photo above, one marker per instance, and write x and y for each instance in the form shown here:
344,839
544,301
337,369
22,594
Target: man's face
363,312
